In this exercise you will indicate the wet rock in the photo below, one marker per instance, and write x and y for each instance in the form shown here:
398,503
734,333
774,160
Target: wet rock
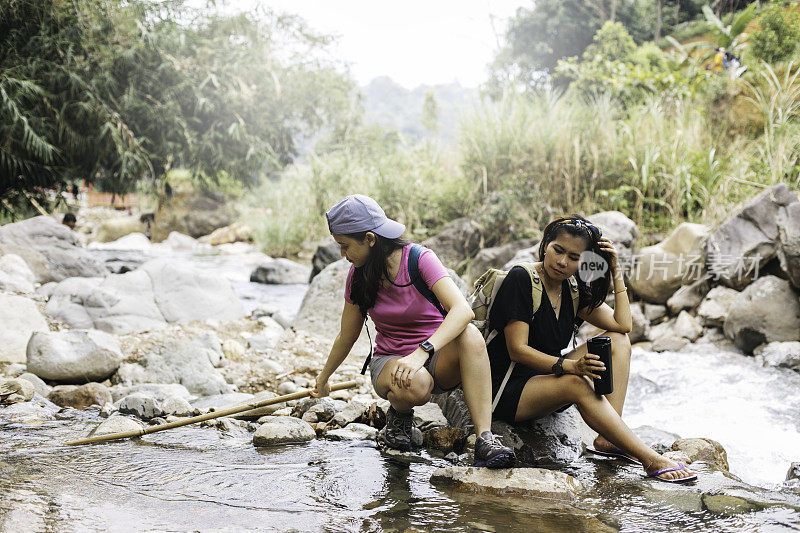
457,241
661,269
80,396
218,402
654,313
780,354
16,390
282,430
116,424
746,242
530,482
687,327
35,410
621,230
350,413
739,500
177,406
140,405
444,439
185,361
688,296
39,386
20,318
679,457
287,387
159,391
376,416
658,439
715,306
16,275
766,311
326,253
280,271
236,232
706,450
794,472
322,411
429,416
73,356
496,257
58,244
641,326
353,431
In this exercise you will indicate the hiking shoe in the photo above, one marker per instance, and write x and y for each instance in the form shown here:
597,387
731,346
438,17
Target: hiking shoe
399,430
491,453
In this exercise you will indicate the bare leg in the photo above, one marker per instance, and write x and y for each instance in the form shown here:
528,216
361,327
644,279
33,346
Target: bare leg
403,400
544,394
464,360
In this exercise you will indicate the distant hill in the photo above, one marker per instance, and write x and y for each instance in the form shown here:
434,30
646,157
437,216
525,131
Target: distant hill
389,103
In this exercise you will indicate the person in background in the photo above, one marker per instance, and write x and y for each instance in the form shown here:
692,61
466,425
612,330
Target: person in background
69,220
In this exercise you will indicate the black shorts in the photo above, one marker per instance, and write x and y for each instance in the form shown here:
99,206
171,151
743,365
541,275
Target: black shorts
506,409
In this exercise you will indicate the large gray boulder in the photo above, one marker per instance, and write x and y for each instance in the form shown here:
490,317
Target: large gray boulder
496,257
780,354
766,311
551,440
188,362
789,238
280,271
715,306
80,396
67,302
77,356
16,275
36,261
457,241
661,269
326,253
20,318
59,245
184,294
621,230
751,238
526,255
321,310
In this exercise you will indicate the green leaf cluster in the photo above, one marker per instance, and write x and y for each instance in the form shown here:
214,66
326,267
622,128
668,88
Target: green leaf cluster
778,34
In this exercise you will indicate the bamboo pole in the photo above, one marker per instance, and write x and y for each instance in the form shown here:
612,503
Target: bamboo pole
208,416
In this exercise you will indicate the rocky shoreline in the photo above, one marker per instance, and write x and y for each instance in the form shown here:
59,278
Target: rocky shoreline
160,341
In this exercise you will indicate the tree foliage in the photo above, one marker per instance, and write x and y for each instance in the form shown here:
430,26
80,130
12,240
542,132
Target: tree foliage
777,36
119,91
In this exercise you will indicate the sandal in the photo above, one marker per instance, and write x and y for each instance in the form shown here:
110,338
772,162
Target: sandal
615,453
680,468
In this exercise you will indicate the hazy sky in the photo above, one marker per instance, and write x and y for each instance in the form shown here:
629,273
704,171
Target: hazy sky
414,42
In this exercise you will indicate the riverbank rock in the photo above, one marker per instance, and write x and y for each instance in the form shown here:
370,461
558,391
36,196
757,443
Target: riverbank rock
641,326
80,396
159,391
20,318
36,410
133,242
41,388
706,450
280,271
327,252
429,416
352,412
526,255
621,230
16,275
16,390
661,269
530,482
766,311
116,424
457,241
780,354
789,238
321,310
183,294
177,406
74,356
59,245
192,211
715,306
236,232
36,261
189,362
115,229
746,242
553,439
282,430
140,405
353,431
496,257
444,439
688,297
687,327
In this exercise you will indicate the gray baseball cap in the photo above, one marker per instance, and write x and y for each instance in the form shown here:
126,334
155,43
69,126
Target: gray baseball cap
357,213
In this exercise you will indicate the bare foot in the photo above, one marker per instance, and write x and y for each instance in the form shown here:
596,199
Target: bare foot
600,443
662,462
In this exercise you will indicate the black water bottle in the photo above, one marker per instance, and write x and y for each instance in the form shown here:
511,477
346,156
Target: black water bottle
602,346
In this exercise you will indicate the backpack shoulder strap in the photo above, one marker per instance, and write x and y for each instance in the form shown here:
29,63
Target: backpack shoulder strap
536,286
416,278
575,293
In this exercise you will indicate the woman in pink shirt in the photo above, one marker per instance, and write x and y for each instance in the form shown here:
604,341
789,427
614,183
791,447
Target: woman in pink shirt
422,343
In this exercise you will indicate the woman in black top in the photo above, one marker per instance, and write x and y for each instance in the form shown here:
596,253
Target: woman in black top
544,381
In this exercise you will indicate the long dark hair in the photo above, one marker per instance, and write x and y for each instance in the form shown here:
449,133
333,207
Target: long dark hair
592,295
367,279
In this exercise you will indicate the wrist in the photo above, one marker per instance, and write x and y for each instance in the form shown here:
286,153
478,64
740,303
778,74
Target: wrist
569,366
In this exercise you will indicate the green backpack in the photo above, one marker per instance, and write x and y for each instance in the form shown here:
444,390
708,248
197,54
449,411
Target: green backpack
482,300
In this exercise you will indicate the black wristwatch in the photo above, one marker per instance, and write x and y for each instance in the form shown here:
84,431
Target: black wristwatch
428,347
558,367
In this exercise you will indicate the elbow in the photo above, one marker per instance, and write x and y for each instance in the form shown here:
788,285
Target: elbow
514,355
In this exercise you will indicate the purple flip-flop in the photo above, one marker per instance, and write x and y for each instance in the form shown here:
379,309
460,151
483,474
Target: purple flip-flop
680,467
616,454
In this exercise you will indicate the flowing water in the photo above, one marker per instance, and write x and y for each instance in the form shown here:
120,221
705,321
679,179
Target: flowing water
200,479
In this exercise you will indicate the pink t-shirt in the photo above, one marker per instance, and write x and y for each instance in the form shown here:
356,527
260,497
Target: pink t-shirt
403,317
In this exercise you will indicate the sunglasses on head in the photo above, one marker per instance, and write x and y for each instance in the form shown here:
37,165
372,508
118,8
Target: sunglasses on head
582,224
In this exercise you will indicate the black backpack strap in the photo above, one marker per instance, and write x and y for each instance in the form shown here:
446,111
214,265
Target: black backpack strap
416,278
369,357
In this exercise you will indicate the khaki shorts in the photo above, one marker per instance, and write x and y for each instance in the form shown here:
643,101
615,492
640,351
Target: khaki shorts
376,365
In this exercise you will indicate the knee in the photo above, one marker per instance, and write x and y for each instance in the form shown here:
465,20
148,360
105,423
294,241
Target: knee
577,388
620,342
471,342
420,390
